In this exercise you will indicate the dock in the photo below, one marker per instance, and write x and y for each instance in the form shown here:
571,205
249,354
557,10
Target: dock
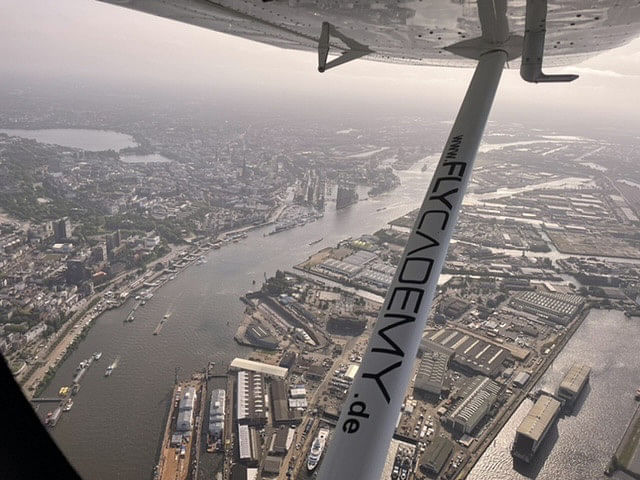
180,449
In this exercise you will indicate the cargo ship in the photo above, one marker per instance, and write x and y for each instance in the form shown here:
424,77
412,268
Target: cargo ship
534,427
572,385
316,449
216,421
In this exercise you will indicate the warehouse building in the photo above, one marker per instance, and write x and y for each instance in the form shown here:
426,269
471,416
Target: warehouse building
281,441
431,373
258,367
470,352
436,456
250,395
341,268
260,337
248,445
556,307
475,400
360,258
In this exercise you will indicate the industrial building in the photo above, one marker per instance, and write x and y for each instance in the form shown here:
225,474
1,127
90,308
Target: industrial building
248,445
281,441
250,393
573,383
348,270
280,404
258,367
475,400
534,427
431,373
184,422
556,307
436,456
360,258
260,337
470,352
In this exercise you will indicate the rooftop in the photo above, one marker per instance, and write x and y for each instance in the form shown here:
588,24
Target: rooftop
259,367
543,412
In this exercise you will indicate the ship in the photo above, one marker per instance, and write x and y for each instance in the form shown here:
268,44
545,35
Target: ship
53,417
572,385
216,420
316,241
111,367
97,355
534,427
316,449
67,405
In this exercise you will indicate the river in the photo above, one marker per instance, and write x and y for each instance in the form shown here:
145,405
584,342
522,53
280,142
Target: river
114,428
580,446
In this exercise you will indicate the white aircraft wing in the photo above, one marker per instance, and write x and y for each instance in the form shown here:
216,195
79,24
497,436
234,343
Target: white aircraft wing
410,32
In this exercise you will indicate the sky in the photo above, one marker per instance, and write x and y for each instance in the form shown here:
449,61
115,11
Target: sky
92,42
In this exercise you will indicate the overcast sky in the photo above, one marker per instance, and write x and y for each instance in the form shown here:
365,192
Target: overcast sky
90,40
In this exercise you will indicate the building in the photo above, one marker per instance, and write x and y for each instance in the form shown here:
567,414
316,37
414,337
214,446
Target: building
475,400
431,373
281,441
62,229
521,379
258,336
436,456
248,445
271,465
112,241
556,307
250,395
470,352
258,367
345,269
77,272
184,422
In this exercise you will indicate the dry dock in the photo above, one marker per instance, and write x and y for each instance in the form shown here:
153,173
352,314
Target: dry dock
534,427
572,384
179,451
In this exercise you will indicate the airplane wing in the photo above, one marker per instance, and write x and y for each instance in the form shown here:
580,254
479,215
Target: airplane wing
407,32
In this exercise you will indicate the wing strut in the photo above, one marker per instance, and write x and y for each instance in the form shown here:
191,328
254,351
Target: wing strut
368,419
533,46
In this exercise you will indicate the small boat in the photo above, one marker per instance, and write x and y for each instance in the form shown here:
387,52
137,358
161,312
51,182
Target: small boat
97,355
67,405
638,394
316,241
